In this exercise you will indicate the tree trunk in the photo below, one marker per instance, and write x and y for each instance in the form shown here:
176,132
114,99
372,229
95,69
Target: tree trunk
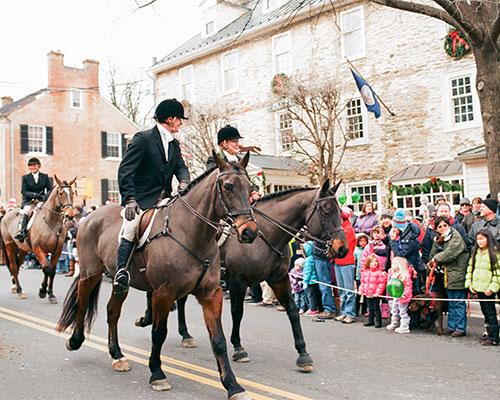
488,89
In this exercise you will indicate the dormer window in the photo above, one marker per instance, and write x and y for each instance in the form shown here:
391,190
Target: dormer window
76,98
269,5
209,28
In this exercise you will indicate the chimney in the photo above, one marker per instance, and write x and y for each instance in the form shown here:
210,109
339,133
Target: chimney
91,68
56,69
6,100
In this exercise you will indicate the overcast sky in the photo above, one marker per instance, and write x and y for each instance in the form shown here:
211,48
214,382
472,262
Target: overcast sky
103,30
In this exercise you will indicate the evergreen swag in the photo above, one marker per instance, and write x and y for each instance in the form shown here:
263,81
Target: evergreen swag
278,84
422,188
456,44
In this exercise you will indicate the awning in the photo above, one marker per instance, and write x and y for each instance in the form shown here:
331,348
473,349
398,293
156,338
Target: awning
428,170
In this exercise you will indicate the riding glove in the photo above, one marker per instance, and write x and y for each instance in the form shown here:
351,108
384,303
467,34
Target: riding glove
131,209
182,185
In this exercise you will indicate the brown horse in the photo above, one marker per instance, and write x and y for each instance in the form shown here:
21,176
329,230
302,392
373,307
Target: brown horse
46,235
181,257
279,216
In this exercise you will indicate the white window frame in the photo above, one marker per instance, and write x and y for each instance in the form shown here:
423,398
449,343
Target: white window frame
44,140
279,143
275,40
362,33
182,84
267,7
119,135
364,115
72,98
206,33
114,190
449,115
359,204
226,91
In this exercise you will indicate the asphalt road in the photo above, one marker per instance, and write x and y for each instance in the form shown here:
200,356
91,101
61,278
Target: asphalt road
351,361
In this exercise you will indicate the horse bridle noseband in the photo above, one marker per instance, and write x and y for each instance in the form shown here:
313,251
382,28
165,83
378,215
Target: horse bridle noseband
316,207
62,207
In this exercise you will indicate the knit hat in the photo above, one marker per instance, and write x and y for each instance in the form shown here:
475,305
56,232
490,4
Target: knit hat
492,204
299,261
399,220
424,198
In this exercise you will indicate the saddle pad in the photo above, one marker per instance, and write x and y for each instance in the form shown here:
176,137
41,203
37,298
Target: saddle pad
33,215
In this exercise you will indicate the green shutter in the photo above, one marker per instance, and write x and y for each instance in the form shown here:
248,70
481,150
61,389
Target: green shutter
104,191
49,140
104,144
124,145
24,139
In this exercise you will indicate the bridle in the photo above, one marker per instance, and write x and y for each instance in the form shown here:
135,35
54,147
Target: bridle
61,206
322,219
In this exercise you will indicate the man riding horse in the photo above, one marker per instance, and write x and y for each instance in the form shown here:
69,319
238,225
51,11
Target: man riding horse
35,186
145,174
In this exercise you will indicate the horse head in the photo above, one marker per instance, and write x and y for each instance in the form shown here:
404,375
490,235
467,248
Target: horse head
234,188
64,197
324,217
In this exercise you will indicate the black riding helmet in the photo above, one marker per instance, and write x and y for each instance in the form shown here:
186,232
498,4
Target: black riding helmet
227,133
34,161
169,108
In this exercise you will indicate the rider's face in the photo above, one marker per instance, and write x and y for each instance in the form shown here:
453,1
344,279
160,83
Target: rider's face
232,146
34,168
173,124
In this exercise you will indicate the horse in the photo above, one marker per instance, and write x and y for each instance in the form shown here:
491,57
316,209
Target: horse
279,217
46,235
180,257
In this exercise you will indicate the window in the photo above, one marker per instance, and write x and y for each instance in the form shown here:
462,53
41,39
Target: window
268,5
76,99
285,131
367,192
113,191
36,139
114,144
230,72
281,54
186,82
461,96
280,188
353,33
461,105
354,119
209,28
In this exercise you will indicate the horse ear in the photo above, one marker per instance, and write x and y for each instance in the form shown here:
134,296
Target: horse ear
73,181
244,161
219,161
58,180
325,186
336,187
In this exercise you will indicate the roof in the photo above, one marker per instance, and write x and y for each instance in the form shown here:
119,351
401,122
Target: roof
274,162
428,170
7,109
251,19
476,152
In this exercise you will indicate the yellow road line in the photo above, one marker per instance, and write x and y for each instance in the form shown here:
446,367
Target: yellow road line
183,364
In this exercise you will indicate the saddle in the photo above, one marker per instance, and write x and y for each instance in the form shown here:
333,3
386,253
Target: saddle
32,214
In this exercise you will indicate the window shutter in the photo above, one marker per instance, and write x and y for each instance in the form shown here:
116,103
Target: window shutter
124,145
24,139
49,141
104,191
104,143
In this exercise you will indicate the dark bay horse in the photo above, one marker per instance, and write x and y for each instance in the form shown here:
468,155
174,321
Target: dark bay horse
181,257
46,235
279,216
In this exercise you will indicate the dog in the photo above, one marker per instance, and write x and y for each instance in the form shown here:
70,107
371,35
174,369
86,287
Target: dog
435,308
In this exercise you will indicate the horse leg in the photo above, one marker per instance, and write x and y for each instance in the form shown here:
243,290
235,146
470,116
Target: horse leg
51,276
11,250
114,307
212,311
147,318
187,339
283,293
162,301
42,259
237,291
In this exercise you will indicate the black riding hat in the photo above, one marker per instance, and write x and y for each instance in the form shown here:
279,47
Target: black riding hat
169,108
226,133
33,161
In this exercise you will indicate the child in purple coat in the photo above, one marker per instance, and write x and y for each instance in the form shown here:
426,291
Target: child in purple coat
296,278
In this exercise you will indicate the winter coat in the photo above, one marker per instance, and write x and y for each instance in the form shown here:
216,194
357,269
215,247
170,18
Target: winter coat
373,282
493,226
296,280
358,252
453,254
408,246
378,249
365,223
408,285
482,277
430,234
309,272
351,242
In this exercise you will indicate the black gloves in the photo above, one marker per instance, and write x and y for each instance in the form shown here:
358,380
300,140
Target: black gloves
182,185
39,197
131,209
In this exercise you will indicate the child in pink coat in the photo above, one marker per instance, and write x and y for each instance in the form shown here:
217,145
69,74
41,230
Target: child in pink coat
400,269
375,246
373,280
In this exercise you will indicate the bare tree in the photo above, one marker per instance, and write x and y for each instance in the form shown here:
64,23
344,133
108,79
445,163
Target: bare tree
479,21
320,139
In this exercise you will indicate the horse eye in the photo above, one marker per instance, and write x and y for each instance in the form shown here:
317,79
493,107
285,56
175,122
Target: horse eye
326,213
228,186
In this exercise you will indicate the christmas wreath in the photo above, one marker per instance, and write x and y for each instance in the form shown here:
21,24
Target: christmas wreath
278,84
456,44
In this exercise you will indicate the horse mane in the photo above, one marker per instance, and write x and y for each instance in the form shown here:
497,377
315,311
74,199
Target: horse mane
284,192
199,178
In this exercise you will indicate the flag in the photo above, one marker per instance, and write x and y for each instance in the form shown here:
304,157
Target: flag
367,95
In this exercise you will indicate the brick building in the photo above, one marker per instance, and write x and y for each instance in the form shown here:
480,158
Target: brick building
242,45
70,127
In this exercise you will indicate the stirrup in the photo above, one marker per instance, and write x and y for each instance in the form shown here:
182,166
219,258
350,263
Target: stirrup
121,283
20,236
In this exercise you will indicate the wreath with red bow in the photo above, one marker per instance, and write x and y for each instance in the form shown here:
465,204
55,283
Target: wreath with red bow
456,44
278,84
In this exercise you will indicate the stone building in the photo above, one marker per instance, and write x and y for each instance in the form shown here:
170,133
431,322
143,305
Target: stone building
242,45
70,127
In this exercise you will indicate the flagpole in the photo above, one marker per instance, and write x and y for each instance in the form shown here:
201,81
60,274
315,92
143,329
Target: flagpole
376,95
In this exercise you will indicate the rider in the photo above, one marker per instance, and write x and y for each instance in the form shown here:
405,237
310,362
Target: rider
145,174
35,186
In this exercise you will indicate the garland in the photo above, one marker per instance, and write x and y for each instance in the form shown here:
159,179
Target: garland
260,181
279,84
456,44
422,188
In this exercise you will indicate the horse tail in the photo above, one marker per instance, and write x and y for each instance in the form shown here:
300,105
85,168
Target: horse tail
70,307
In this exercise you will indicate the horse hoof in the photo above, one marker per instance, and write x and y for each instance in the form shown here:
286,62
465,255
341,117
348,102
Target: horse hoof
53,300
22,295
241,356
188,342
42,294
68,345
13,289
240,396
138,322
160,385
121,365
305,363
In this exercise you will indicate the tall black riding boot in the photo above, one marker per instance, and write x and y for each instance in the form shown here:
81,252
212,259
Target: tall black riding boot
21,235
121,281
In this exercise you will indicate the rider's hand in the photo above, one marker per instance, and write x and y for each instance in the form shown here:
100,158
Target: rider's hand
254,196
131,209
182,185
